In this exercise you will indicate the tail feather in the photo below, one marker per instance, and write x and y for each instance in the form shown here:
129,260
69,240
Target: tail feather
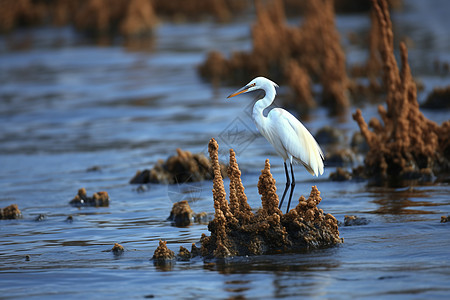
315,164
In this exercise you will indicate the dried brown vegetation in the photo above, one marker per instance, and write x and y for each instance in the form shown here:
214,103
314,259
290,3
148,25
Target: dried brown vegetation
407,145
129,18
300,83
221,10
95,17
373,68
237,231
14,13
284,53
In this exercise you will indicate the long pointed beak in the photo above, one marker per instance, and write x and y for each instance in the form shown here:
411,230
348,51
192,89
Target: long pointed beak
240,91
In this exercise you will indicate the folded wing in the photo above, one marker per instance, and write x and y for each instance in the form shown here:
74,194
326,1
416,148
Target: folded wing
296,140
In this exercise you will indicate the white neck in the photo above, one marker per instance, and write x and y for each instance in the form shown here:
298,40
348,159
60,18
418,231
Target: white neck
261,104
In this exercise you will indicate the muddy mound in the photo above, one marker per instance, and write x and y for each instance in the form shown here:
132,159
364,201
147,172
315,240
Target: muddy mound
129,18
439,98
237,231
98,199
181,168
221,10
10,212
405,145
162,253
290,54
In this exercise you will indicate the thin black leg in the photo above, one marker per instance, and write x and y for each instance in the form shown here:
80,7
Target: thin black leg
288,182
292,189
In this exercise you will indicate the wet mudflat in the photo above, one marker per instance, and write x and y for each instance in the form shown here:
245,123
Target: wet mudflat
74,114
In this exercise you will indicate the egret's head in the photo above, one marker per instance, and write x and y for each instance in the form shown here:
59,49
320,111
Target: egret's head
259,83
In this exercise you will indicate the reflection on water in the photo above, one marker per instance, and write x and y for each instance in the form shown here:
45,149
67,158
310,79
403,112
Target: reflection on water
407,201
74,114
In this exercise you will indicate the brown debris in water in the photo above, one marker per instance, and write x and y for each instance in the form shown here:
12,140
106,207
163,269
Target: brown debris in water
236,231
127,17
355,221
117,249
162,253
340,175
340,157
445,219
282,52
439,98
181,168
10,212
181,214
98,199
18,12
406,145
96,17
330,135
184,254
195,251
221,10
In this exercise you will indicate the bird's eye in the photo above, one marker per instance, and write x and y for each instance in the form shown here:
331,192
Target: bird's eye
253,84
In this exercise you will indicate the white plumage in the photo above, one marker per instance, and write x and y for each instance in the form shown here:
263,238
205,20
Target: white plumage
292,141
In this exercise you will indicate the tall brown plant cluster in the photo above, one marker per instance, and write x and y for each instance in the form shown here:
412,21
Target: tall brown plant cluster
268,34
237,231
284,53
323,55
221,10
128,18
407,145
95,17
374,67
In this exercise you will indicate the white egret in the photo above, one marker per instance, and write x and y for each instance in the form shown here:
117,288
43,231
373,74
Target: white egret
291,140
